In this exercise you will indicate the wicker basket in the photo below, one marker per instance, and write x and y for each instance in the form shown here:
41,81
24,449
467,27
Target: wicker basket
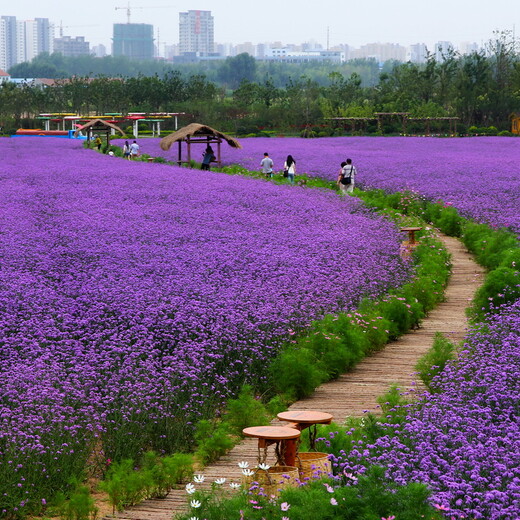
313,464
273,480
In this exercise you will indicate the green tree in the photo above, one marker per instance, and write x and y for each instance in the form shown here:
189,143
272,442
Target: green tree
236,69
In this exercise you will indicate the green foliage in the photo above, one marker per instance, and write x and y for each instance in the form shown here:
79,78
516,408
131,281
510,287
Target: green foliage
78,506
498,250
294,373
166,472
213,438
490,246
124,485
371,496
501,286
127,484
244,411
434,361
449,222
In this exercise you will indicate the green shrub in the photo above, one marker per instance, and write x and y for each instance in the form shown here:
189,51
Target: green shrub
489,245
125,486
295,373
166,472
434,361
505,133
213,438
245,411
79,506
329,350
449,222
500,286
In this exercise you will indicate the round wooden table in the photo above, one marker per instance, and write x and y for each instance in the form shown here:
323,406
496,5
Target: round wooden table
284,439
411,233
306,419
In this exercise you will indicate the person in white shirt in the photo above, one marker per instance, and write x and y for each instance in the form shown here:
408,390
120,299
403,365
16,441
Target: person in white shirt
134,150
346,177
290,167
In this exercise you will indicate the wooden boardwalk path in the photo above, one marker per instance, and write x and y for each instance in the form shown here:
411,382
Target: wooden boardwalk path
355,392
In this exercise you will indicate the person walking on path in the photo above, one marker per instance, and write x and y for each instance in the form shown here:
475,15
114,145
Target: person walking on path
267,165
290,167
134,150
209,156
126,150
98,142
346,177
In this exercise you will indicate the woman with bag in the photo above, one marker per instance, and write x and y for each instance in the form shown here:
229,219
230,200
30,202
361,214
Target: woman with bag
289,168
346,177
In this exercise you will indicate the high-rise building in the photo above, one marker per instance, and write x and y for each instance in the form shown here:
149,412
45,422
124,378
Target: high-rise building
196,32
7,42
380,52
442,50
23,40
69,46
100,51
134,40
418,53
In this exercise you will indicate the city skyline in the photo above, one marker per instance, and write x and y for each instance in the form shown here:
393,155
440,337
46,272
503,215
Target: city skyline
403,22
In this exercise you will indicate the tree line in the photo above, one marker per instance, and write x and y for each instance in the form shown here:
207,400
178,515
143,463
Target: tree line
241,95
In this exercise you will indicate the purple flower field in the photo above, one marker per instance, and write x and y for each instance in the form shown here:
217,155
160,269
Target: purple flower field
479,176
135,298
464,442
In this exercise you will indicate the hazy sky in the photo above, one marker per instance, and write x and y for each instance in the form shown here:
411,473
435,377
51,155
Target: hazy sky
291,21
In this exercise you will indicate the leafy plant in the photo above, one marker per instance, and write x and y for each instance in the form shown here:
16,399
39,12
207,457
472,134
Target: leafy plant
246,410
79,505
434,361
295,373
213,438
124,485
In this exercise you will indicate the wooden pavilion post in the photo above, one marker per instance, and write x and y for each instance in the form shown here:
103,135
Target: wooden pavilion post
188,141
179,159
219,161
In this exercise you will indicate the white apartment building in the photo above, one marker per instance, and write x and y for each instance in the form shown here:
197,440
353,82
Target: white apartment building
442,49
196,32
418,53
23,40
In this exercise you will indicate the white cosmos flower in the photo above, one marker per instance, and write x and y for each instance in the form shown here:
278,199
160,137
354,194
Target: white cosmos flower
190,489
243,464
265,467
194,518
199,478
195,504
220,481
234,485
248,472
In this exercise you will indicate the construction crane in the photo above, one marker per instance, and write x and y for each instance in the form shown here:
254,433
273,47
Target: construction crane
128,9
61,27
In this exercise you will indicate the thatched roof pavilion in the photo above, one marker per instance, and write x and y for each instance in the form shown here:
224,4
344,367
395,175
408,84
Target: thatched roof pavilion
98,125
197,133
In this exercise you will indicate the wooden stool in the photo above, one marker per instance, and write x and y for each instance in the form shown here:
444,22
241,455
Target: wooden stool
306,419
411,234
284,439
